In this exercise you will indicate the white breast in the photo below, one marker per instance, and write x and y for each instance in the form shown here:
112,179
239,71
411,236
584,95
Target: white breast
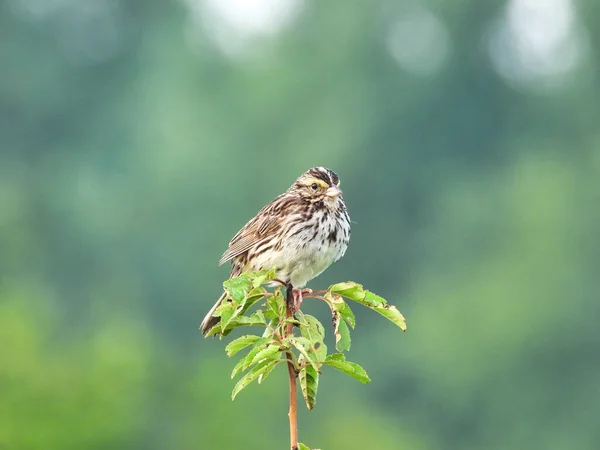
304,255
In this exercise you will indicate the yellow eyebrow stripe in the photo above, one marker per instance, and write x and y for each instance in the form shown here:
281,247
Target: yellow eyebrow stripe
321,183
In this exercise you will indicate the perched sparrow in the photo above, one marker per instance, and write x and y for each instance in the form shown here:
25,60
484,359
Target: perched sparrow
300,234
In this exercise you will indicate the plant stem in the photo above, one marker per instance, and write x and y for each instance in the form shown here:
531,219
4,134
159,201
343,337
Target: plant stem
293,412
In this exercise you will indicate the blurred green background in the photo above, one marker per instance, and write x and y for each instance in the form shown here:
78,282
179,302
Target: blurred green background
138,136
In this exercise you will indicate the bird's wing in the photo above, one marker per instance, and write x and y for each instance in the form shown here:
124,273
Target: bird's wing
261,227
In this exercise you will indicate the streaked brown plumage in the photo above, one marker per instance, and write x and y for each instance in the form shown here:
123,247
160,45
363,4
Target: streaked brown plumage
300,234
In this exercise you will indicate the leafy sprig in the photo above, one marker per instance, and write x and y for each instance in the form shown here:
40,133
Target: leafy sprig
305,350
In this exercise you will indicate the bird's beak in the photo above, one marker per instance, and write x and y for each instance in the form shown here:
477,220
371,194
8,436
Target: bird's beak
333,191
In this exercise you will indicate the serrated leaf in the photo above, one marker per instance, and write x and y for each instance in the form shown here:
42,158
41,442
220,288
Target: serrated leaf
302,348
251,298
214,330
226,321
314,331
391,313
237,368
304,341
348,289
303,447
378,304
237,287
342,333
309,383
266,353
319,350
263,376
249,359
262,277
352,369
331,302
225,311
252,375
275,306
348,315
257,318
225,306
245,362
337,301
240,343
270,329
374,299
336,357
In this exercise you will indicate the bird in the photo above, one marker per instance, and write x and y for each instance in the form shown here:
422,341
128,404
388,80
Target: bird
299,234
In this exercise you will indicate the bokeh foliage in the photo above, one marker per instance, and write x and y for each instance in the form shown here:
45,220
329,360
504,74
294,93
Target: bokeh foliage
128,160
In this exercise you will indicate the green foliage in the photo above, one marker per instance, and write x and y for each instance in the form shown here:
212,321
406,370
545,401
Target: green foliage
305,447
309,382
306,348
338,361
355,292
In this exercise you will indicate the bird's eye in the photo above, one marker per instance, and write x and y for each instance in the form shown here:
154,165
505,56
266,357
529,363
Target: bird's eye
314,186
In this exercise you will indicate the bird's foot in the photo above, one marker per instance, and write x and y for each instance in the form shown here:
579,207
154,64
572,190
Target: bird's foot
297,297
306,291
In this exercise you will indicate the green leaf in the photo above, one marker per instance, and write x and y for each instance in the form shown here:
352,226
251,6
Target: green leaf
226,318
236,318
237,287
263,376
372,301
224,307
304,341
348,289
348,315
240,343
251,298
237,368
262,277
342,333
270,329
266,353
337,304
303,348
309,383
352,369
249,359
319,350
390,312
259,369
257,318
336,357
275,307
246,361
314,331
225,312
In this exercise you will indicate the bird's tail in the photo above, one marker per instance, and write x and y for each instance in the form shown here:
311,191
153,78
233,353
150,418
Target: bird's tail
210,321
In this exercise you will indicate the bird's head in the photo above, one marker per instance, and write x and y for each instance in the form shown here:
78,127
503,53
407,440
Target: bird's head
318,184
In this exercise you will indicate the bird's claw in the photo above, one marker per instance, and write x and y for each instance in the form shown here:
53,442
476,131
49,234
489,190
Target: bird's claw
297,297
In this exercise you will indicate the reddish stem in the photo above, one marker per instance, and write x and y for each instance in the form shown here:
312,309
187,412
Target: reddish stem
293,412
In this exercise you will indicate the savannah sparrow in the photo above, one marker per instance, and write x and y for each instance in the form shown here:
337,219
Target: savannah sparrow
300,234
